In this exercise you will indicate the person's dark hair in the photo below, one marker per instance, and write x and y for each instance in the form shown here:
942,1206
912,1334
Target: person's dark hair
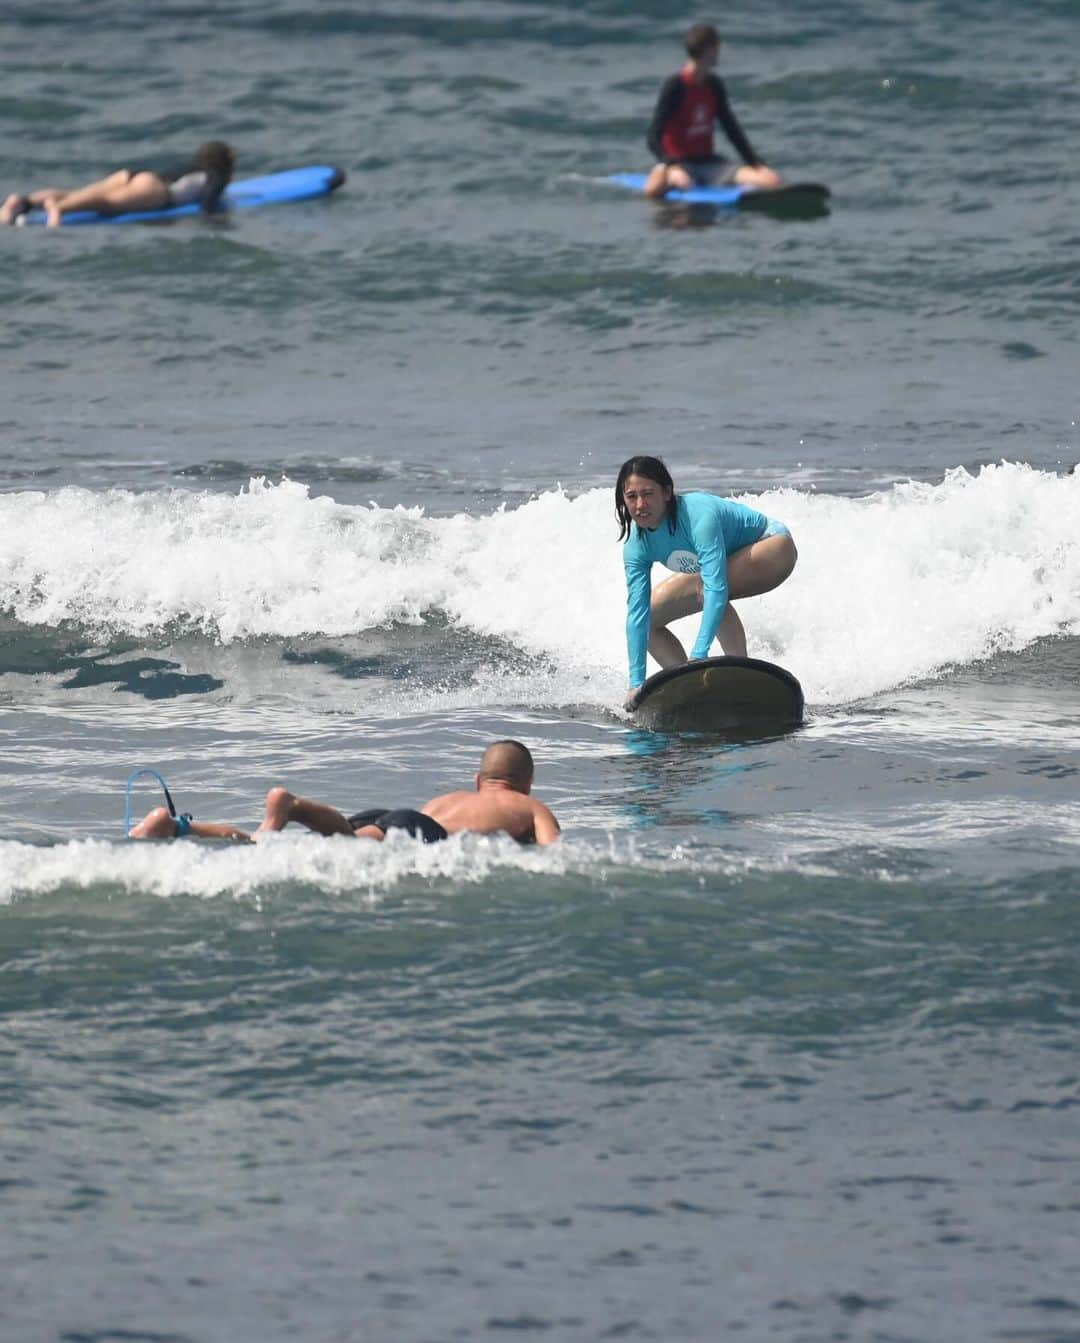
216,157
653,469
509,761
699,39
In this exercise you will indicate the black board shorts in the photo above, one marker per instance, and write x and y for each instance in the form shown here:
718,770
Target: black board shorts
401,818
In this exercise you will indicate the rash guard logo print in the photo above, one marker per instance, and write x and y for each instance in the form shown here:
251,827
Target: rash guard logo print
682,562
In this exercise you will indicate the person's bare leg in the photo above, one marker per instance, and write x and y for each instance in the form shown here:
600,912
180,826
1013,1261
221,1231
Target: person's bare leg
51,199
118,193
370,832
156,824
218,830
763,177
666,176
666,648
756,568
731,634
656,182
19,202
161,824
676,597
685,599
761,566
14,205
283,807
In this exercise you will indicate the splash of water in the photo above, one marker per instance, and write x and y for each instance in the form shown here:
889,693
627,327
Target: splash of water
889,588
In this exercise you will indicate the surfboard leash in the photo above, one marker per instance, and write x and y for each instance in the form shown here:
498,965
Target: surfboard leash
181,822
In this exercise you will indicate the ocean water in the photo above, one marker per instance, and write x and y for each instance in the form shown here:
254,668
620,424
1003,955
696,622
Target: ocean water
780,1040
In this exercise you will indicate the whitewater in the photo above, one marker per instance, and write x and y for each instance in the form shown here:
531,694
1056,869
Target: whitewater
893,587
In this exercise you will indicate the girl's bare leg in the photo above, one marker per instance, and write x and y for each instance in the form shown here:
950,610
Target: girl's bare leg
672,599
665,176
762,177
118,193
731,634
13,206
761,566
756,568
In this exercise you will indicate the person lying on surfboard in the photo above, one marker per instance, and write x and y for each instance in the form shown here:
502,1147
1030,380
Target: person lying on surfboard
681,131
719,550
130,190
500,802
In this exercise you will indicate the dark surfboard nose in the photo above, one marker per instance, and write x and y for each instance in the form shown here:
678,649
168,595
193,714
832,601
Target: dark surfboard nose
725,694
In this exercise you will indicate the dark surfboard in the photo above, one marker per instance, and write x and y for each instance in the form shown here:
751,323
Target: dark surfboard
731,695
795,200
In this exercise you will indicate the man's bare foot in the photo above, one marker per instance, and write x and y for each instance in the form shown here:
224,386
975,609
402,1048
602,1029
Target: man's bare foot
279,805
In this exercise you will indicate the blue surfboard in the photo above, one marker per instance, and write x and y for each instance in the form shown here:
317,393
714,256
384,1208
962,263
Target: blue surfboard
799,195
297,184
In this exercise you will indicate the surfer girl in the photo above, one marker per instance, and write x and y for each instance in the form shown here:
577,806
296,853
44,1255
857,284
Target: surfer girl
199,181
719,550
680,134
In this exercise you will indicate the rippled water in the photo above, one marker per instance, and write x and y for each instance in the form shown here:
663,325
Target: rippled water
779,1041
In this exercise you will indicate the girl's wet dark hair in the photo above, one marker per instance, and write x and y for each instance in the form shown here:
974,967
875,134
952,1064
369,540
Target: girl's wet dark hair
653,469
217,157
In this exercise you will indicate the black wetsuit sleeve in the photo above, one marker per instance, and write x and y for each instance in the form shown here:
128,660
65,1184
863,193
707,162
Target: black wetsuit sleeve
671,95
730,124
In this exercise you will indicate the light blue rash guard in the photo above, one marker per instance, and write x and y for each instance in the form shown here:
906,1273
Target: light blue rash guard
707,530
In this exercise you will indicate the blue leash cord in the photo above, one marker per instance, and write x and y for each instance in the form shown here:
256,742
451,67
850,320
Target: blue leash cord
183,823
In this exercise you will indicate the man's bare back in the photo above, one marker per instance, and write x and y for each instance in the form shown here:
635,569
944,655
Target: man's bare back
500,802
494,806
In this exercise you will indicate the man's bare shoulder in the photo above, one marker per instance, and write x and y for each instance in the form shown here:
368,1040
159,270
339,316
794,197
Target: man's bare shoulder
488,810
445,799
545,827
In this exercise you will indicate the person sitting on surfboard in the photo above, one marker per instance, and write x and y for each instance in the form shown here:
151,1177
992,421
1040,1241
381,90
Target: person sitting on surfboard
500,802
681,132
130,190
719,550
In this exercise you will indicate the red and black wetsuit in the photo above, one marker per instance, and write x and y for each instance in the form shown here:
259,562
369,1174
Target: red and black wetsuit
681,130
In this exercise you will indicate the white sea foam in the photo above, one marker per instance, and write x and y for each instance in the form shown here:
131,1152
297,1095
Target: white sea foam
889,588
335,866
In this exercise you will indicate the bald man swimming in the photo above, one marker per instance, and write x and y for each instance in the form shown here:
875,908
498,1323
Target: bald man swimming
500,802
